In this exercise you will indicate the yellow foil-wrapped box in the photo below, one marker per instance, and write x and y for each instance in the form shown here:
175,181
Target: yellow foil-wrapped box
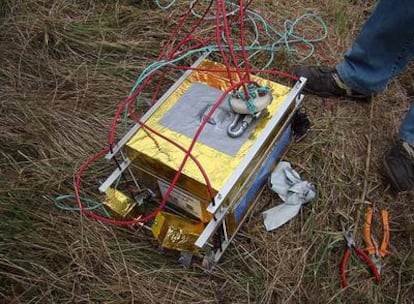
175,232
119,203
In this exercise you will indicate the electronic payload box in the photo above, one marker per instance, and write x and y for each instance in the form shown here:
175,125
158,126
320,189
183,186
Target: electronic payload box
222,177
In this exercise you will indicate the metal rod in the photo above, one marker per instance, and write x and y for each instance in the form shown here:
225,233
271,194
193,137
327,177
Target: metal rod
113,177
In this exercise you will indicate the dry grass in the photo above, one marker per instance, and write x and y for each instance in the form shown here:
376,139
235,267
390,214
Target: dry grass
63,67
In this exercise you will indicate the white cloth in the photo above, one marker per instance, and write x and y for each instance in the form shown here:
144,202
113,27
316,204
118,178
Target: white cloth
295,192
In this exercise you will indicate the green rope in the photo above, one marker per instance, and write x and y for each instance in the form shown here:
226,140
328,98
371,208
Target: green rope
92,204
253,91
164,7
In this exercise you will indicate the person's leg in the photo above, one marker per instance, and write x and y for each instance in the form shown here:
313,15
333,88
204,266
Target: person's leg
383,48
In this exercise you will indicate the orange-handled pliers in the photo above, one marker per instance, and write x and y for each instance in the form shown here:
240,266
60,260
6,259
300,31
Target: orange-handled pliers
372,247
374,251
350,243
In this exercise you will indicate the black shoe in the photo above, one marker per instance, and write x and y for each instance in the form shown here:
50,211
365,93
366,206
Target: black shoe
325,82
300,125
399,166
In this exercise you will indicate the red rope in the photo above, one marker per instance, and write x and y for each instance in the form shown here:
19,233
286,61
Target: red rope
220,46
242,43
230,45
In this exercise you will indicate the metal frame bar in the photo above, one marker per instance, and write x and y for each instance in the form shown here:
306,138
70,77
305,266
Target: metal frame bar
222,194
218,254
113,177
211,228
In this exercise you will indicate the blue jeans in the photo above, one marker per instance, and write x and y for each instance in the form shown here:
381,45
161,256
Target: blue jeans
384,47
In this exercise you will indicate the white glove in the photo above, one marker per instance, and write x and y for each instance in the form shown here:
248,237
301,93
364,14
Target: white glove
287,183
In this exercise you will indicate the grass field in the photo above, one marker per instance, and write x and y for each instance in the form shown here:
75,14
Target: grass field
64,67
